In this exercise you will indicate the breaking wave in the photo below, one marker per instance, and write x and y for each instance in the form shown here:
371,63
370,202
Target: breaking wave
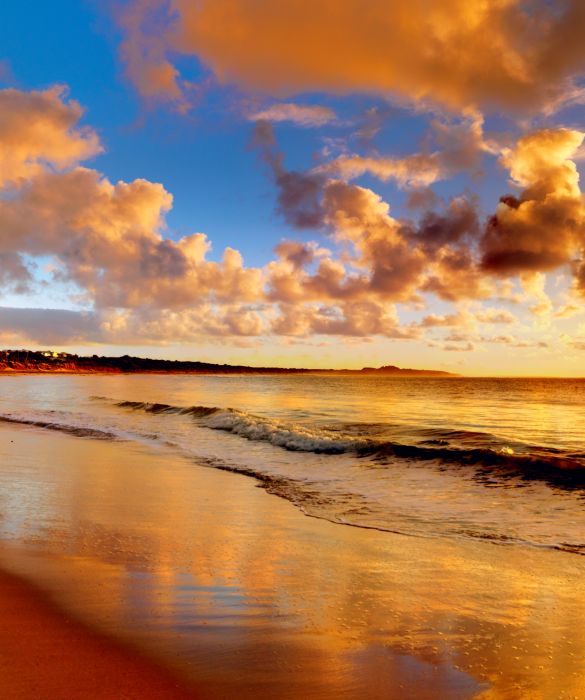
296,438
78,431
534,463
369,489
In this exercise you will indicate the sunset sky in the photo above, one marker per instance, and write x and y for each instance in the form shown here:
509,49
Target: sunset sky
337,184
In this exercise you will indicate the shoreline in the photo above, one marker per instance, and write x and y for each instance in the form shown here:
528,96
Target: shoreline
228,373
249,598
37,361
9,372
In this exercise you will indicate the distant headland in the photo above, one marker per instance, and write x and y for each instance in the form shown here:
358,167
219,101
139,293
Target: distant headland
49,361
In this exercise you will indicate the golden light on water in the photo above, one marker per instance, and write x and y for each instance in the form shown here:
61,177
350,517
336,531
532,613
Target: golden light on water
184,558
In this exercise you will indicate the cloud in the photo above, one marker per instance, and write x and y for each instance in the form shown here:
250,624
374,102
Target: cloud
448,252
533,285
107,244
448,239
495,316
302,115
105,238
202,322
38,130
371,123
49,326
467,347
143,52
515,342
418,170
384,265
422,198
569,310
299,194
468,319
446,320
544,227
14,273
361,218
355,318
471,341
457,223
459,53
461,144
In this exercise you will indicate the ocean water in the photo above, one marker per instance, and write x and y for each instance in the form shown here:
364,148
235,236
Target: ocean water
500,460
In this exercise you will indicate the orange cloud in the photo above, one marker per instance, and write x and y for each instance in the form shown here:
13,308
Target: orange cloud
143,53
419,170
544,227
458,53
38,129
108,240
353,318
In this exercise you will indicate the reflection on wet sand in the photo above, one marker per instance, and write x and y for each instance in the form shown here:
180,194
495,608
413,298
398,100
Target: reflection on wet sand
246,595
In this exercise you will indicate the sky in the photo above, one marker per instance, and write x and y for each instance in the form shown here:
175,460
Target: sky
326,184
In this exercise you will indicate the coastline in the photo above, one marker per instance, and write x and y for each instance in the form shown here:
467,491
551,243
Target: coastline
48,361
262,373
249,598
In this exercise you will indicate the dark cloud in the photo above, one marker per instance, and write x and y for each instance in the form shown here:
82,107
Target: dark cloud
50,326
14,274
459,221
299,194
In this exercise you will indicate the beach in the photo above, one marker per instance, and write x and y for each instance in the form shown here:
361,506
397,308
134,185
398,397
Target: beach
292,322
237,593
45,653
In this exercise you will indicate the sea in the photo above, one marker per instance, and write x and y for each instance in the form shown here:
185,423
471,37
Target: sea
495,459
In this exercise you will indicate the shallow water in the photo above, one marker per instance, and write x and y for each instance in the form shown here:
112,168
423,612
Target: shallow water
240,592
495,459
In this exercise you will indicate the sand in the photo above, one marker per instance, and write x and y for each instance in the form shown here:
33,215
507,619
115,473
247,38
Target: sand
238,592
45,653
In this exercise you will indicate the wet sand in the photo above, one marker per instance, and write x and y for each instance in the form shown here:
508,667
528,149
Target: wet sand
238,592
44,653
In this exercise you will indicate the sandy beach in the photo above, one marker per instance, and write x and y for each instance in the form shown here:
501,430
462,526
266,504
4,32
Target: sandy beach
241,595
45,653
292,340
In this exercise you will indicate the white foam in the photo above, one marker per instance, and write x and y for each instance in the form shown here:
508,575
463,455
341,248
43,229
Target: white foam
289,436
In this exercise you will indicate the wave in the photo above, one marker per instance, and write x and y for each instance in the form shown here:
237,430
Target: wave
533,463
331,500
341,507
195,411
563,470
78,431
295,438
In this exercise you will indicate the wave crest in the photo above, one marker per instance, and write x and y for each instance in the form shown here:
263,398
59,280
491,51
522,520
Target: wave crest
77,430
538,463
